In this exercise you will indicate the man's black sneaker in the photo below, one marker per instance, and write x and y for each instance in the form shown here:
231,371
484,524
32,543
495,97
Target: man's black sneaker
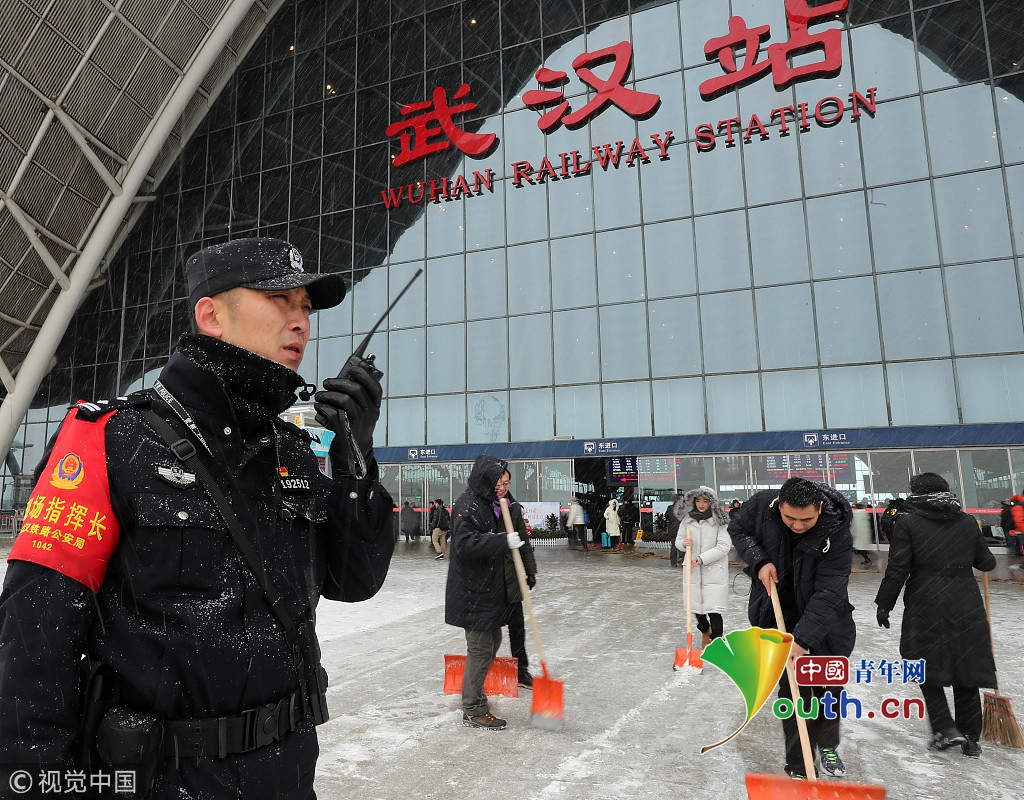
794,774
526,680
831,763
943,740
971,748
487,721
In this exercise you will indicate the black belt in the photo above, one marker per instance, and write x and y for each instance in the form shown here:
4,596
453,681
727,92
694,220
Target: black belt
241,733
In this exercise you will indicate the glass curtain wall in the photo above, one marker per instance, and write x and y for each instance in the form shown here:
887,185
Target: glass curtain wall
761,286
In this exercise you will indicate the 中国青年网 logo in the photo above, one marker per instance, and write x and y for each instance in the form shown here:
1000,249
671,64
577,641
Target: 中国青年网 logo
755,658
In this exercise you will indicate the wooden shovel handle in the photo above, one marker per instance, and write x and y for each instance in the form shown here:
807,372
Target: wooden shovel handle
794,689
689,602
523,588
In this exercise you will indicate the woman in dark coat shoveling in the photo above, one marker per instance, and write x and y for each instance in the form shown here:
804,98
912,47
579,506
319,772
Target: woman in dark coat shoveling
933,550
475,595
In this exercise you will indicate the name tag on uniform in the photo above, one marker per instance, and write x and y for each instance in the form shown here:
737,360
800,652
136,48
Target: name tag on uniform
176,476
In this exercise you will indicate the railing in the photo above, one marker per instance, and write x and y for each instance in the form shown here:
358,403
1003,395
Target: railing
10,521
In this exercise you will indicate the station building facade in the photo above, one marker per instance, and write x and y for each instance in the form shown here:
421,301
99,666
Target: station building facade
664,243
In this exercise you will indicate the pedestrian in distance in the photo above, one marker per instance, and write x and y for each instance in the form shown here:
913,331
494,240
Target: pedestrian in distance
475,595
574,523
162,621
934,551
1011,519
860,532
612,522
798,537
704,528
440,522
410,521
672,527
887,520
629,522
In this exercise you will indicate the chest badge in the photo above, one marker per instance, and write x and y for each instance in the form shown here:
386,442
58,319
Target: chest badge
296,485
291,483
176,476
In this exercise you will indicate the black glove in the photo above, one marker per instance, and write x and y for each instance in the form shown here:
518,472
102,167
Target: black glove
531,580
356,392
882,615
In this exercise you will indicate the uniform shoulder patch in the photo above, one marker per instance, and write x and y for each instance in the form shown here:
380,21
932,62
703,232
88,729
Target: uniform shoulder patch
70,525
92,411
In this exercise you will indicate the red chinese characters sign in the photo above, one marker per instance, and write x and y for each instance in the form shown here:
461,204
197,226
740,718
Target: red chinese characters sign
799,17
429,126
428,121
638,105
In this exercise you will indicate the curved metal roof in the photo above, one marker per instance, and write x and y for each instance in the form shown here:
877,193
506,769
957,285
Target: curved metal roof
96,99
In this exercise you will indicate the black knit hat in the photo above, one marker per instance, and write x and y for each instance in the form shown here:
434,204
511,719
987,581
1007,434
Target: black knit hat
264,264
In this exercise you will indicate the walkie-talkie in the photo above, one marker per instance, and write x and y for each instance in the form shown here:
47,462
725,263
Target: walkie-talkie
356,462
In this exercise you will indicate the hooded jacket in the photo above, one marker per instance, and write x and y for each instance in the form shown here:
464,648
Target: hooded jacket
814,571
1012,516
611,515
475,596
709,582
934,547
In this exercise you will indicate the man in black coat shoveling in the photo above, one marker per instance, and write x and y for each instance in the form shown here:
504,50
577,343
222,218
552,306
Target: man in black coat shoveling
934,547
799,538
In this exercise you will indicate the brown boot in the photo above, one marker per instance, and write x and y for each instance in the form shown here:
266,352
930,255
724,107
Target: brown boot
705,639
486,720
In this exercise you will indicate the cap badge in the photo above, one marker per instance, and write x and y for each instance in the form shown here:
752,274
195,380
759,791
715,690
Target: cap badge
296,258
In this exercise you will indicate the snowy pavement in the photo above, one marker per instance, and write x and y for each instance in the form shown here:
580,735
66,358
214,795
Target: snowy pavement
610,624
633,728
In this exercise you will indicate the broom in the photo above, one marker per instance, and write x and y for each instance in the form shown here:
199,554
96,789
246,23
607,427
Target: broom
998,724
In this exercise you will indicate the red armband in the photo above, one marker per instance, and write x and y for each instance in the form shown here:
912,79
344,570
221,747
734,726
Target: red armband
70,524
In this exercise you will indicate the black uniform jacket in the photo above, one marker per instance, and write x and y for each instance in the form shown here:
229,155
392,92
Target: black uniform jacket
475,595
933,550
814,574
179,616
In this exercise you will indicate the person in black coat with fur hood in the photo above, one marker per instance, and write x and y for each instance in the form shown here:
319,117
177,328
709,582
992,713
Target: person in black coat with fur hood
934,547
799,537
475,595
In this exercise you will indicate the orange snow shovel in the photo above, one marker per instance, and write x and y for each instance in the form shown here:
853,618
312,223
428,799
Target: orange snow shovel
502,676
690,657
782,787
548,708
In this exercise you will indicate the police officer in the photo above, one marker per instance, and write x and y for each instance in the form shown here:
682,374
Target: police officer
132,604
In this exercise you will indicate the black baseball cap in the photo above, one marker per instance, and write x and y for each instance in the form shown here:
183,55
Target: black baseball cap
264,264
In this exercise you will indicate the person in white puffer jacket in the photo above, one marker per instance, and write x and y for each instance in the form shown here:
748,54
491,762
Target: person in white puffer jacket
612,522
704,527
